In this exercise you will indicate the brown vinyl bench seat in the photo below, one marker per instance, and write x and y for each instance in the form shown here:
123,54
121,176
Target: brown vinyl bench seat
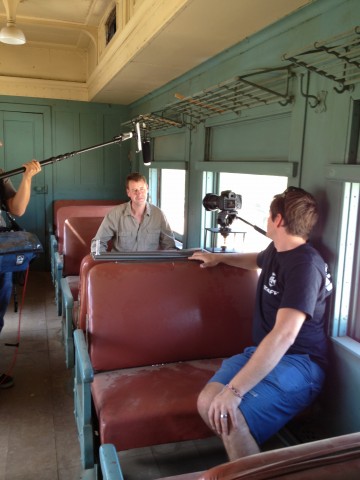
63,213
156,331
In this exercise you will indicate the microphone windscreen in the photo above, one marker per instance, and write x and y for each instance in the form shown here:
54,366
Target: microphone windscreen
146,152
138,136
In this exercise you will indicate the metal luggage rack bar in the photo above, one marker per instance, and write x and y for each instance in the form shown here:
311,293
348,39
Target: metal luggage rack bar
156,121
337,58
231,96
236,94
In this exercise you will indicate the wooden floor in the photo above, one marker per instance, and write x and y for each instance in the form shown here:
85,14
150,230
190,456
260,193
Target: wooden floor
38,438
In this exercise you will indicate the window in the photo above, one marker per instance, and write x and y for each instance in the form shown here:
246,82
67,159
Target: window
257,192
167,191
347,303
110,26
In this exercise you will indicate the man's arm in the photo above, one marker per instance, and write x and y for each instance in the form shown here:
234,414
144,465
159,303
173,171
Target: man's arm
18,203
166,240
103,236
271,349
240,260
106,232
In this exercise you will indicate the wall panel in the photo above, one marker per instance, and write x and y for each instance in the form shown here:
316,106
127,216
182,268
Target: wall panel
265,138
171,147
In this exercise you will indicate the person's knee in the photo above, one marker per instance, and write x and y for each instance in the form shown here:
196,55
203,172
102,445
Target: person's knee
203,403
206,396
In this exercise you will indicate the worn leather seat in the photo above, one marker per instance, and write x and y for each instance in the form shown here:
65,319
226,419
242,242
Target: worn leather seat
156,331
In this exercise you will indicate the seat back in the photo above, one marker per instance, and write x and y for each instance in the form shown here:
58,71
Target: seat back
145,313
57,204
78,233
334,457
86,265
71,211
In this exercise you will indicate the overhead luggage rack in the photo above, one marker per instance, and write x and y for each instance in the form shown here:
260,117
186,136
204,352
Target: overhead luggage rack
263,87
242,92
337,58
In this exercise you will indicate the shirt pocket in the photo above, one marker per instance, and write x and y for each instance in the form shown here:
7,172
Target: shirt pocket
152,239
125,242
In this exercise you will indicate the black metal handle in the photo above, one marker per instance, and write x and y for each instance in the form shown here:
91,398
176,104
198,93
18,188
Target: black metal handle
258,229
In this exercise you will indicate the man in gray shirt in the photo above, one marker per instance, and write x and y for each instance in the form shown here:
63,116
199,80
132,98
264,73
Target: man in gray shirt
135,225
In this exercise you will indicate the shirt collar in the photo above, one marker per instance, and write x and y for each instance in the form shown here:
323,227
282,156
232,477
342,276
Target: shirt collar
128,208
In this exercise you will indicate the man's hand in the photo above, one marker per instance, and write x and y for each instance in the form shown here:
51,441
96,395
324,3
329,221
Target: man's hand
18,203
31,168
222,412
208,259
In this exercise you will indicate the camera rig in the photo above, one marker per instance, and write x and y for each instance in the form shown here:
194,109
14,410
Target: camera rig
228,203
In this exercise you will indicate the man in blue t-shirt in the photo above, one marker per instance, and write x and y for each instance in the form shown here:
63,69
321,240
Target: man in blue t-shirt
255,393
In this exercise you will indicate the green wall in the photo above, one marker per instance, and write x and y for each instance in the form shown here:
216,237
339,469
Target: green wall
294,138
43,129
309,145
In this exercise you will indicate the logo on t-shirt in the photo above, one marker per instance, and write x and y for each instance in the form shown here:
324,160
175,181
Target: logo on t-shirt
272,284
328,280
272,280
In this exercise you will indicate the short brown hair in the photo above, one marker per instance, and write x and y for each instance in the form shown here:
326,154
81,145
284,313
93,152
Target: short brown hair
298,209
135,177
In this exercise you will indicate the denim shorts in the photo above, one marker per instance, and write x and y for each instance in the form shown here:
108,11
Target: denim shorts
289,388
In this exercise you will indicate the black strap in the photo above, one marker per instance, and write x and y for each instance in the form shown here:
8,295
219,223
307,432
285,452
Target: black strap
13,225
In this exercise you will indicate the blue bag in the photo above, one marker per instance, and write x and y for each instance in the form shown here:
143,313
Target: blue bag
17,249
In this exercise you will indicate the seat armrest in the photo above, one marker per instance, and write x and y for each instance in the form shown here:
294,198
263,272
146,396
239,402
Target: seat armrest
109,461
59,261
68,300
84,375
67,322
83,362
58,272
53,244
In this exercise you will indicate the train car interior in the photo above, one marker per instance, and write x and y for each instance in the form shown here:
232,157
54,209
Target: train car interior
221,105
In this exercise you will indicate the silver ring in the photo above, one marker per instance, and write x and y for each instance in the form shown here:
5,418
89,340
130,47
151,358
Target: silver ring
223,415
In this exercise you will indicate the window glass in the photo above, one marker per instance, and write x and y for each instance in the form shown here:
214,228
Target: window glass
347,307
170,196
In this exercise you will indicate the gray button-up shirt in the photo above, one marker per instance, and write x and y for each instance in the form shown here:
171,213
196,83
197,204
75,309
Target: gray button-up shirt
127,235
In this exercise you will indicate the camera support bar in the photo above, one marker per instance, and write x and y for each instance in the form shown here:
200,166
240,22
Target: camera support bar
258,229
48,161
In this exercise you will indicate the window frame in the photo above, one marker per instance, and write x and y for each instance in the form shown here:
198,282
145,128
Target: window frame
346,310
155,179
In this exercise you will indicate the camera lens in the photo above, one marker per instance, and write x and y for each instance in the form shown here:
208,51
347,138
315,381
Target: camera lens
211,202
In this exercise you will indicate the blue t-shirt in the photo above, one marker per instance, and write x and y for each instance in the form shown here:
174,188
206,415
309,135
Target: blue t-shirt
298,279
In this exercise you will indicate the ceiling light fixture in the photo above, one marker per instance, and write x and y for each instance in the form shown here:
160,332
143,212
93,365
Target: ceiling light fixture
11,34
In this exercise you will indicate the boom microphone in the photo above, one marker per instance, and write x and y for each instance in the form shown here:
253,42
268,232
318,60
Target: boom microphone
120,138
146,152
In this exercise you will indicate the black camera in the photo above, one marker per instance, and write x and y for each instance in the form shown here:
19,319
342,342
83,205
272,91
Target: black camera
226,201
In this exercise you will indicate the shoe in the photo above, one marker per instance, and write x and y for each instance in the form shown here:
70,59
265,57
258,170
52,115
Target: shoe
6,381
